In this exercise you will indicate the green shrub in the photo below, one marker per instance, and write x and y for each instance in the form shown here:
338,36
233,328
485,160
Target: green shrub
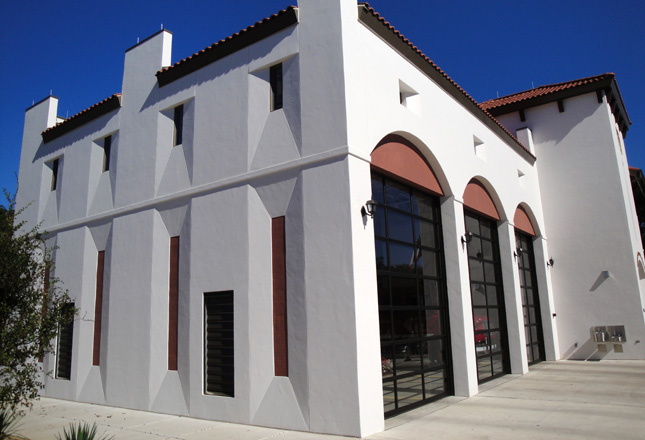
9,425
82,431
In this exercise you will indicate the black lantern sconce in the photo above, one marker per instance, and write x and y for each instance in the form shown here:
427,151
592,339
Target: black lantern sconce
550,262
518,253
369,209
467,238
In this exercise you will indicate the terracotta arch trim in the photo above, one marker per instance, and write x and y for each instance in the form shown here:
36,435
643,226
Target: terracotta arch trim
477,198
522,222
398,157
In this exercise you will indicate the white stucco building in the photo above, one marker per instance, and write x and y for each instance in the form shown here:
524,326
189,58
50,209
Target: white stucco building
212,228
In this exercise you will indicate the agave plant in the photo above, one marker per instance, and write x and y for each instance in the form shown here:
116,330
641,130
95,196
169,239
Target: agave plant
9,425
82,431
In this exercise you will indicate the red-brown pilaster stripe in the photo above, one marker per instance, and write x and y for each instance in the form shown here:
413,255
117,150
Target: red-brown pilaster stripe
278,251
43,310
98,309
173,300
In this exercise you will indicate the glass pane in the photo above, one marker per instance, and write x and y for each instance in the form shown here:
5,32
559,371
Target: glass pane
379,222
480,318
495,341
534,333
399,226
428,263
406,324
385,325
381,255
475,248
489,272
401,258
536,352
493,318
430,291
389,401
530,298
528,280
491,293
422,205
407,359
484,368
435,353
532,315
482,346
498,366
404,291
526,259
478,292
397,196
383,288
472,225
529,353
377,190
425,233
487,250
476,271
409,390
527,334
434,382
486,228
431,322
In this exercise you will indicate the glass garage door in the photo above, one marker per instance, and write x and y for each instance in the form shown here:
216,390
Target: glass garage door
530,298
412,296
487,298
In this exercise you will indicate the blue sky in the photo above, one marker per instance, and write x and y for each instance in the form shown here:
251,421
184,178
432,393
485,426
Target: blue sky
75,48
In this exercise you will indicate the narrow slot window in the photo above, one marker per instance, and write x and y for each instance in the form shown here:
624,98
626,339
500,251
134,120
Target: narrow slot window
98,308
219,368
173,302
107,147
64,349
275,74
178,118
55,174
280,345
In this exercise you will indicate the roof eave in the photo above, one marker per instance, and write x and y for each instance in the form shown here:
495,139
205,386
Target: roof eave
226,47
607,85
82,118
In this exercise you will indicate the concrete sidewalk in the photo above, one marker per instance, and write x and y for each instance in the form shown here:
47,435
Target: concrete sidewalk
566,399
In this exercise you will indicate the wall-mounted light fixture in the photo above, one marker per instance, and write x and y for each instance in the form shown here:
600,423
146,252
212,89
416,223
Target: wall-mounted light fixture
369,209
550,262
518,252
467,238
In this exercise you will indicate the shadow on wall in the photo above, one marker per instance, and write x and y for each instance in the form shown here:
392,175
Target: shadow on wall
589,351
604,275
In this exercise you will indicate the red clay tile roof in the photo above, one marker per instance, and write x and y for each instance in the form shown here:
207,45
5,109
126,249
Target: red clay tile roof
444,75
220,49
543,90
83,117
605,83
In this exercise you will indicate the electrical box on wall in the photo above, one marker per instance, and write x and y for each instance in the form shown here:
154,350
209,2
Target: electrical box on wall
609,333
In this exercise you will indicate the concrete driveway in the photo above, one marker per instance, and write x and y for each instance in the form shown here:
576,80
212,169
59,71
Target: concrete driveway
566,399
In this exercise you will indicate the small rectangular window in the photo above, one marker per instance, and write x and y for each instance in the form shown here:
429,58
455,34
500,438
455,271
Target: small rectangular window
275,78
55,174
219,365
64,349
178,118
107,146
